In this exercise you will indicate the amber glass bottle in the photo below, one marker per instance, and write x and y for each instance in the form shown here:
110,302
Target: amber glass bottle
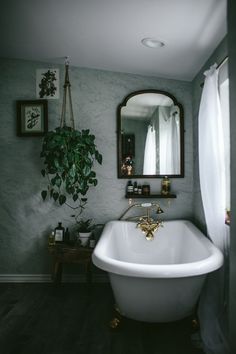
165,186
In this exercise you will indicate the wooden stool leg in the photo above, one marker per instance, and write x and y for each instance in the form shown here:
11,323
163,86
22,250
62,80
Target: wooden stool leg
88,272
57,272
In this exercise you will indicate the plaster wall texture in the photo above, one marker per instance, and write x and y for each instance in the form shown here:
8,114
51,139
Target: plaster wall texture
25,220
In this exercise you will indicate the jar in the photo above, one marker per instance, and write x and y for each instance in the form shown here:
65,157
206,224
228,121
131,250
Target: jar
146,189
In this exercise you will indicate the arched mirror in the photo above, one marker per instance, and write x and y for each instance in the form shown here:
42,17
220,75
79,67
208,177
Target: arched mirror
150,136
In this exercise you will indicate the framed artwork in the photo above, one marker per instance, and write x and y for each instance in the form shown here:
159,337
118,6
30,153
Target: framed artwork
32,118
47,83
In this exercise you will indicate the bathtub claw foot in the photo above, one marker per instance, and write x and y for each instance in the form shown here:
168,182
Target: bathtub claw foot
195,324
115,323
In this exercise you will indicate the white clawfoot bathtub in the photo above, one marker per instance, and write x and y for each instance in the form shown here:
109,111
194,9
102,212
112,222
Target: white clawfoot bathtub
158,280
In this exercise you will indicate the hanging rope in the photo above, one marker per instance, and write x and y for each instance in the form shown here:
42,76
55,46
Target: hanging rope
67,91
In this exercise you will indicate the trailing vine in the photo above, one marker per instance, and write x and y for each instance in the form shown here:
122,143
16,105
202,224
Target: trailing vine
69,156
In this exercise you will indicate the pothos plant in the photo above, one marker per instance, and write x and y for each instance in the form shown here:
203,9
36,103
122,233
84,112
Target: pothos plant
69,157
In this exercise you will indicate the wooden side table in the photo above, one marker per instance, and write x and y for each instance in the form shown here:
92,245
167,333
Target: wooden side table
63,253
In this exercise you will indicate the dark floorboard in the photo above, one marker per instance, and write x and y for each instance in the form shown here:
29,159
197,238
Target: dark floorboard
73,319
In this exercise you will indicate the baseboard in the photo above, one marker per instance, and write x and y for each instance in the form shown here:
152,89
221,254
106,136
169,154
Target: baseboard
46,278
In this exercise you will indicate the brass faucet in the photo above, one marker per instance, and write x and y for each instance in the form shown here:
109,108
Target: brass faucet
146,224
148,227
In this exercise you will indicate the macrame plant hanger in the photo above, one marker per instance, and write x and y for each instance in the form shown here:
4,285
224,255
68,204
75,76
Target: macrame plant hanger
67,91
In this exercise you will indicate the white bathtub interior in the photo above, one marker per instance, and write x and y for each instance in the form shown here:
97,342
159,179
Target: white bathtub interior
128,244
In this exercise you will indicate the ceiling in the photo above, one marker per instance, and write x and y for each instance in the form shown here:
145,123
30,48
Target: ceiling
107,34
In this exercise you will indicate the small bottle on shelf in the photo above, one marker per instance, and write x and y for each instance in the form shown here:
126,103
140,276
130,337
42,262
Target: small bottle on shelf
51,239
92,241
146,189
67,236
139,189
135,188
130,187
59,233
165,186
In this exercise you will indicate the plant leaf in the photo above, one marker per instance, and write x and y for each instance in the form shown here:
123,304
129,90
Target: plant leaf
62,199
98,157
75,197
55,196
44,194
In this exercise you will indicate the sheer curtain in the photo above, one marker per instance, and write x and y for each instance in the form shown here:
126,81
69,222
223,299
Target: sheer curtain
174,140
149,164
213,191
169,140
164,137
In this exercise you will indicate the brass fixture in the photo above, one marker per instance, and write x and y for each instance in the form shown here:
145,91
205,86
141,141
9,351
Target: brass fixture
146,224
116,320
114,323
142,205
195,324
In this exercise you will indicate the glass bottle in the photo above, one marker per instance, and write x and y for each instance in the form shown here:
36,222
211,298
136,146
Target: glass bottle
59,233
139,189
92,241
135,188
130,188
51,239
67,236
146,189
165,186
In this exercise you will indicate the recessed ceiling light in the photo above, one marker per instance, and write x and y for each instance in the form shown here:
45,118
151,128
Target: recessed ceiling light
152,43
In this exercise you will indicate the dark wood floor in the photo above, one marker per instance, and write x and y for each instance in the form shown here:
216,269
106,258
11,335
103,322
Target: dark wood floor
73,319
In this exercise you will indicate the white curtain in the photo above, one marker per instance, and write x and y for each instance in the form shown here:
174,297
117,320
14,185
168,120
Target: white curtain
211,159
212,310
174,140
169,140
149,164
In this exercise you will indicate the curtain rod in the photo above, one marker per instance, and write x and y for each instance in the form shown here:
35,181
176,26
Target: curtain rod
218,66
222,62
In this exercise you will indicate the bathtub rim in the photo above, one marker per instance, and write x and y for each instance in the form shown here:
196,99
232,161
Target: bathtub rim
211,263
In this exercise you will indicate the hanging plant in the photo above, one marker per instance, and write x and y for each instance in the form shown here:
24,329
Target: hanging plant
69,156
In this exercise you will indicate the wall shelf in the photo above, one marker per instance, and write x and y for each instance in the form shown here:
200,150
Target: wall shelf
158,196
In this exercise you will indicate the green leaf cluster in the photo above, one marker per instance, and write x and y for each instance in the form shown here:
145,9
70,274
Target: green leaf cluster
69,157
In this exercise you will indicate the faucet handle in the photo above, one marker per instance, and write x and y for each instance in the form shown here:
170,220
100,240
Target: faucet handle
146,205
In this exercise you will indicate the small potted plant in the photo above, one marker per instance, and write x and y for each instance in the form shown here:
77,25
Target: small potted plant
84,228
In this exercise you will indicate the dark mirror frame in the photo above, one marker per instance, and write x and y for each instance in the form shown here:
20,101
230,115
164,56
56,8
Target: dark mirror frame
119,136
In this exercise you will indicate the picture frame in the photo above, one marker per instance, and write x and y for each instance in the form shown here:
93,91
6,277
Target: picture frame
47,83
32,118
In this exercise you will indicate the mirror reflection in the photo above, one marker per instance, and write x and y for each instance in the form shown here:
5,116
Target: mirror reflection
150,135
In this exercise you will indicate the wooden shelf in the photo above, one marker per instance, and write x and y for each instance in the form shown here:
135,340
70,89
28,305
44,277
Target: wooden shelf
158,196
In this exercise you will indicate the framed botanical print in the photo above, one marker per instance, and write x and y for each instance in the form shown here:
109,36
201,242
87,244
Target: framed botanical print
47,83
32,118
